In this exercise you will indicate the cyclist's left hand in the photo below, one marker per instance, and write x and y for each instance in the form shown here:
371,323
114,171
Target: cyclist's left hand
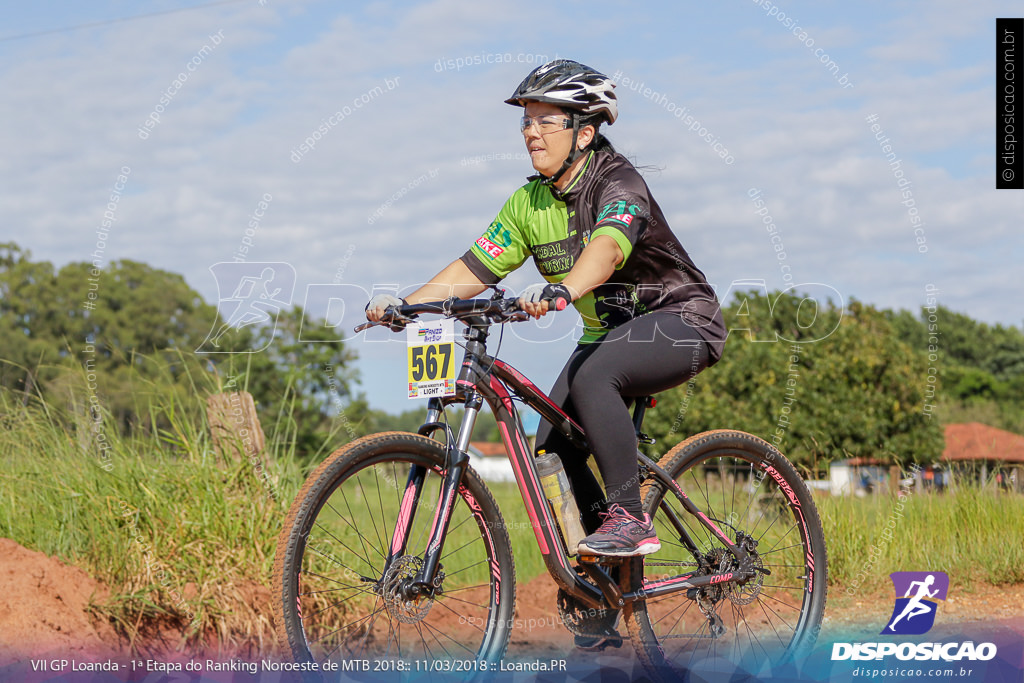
535,298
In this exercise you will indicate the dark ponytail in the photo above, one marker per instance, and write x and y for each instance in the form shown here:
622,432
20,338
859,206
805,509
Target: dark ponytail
600,143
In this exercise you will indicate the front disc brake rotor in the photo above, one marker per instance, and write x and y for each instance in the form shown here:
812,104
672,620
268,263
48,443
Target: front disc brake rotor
402,572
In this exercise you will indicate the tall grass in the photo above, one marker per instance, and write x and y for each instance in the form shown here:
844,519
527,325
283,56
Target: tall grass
974,534
184,540
181,538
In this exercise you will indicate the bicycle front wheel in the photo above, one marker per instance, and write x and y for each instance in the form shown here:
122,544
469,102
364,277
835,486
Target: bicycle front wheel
338,597
749,490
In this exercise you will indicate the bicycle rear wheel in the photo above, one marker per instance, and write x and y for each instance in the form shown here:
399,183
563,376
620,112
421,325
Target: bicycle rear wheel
334,598
748,489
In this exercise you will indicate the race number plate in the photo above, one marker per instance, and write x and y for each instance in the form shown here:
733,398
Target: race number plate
431,358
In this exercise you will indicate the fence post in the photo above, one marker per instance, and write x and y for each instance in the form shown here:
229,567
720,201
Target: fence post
895,476
234,425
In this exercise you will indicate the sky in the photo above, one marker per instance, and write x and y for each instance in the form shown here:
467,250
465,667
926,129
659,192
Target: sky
367,145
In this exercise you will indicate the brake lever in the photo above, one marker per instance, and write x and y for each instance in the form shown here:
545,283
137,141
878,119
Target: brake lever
510,312
394,325
392,321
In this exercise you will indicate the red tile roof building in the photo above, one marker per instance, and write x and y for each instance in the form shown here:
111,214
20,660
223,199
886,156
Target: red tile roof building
976,441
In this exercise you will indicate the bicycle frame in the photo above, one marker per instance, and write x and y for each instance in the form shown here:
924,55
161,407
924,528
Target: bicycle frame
485,378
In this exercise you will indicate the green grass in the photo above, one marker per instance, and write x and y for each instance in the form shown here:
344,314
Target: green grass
175,534
179,536
973,534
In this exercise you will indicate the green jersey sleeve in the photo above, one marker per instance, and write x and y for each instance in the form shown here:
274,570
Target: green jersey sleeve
503,247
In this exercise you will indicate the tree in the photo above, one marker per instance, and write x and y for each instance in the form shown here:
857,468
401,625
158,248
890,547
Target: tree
29,314
127,333
302,381
981,366
833,385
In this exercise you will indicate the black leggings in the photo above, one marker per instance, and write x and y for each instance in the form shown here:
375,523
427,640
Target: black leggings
645,356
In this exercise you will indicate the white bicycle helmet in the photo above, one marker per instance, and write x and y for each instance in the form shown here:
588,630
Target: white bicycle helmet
569,85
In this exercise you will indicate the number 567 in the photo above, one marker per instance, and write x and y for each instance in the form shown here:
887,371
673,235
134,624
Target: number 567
425,361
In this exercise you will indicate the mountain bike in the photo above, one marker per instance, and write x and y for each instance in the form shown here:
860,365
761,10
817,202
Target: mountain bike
395,551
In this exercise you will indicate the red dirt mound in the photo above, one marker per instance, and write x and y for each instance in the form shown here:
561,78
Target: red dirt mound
44,607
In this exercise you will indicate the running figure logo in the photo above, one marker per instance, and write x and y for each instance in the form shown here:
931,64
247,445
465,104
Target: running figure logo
259,291
917,596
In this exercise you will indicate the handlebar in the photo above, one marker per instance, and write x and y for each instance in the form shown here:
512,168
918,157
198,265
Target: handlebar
496,309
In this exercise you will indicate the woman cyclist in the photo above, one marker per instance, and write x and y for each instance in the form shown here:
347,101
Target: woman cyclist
598,238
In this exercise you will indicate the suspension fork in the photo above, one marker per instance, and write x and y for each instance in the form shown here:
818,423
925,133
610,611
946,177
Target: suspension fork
413,489
457,461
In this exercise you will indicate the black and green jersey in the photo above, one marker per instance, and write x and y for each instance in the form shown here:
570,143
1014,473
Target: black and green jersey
608,197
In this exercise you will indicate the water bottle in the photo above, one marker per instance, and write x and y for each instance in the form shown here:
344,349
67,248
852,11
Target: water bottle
559,495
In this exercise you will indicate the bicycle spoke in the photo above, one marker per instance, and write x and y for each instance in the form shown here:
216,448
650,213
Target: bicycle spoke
752,638
321,576
466,588
467,543
426,646
762,606
327,590
355,528
434,631
732,504
773,598
466,602
342,628
453,529
373,521
459,571
336,561
777,518
333,604
785,588
707,507
779,550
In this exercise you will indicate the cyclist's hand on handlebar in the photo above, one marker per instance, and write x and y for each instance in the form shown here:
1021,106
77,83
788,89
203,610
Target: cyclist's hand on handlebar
536,300
375,309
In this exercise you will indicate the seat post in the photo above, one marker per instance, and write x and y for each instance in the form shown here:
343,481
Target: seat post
639,410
